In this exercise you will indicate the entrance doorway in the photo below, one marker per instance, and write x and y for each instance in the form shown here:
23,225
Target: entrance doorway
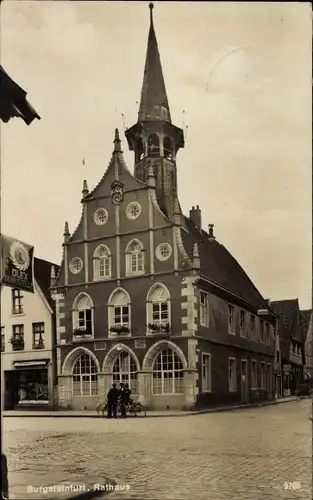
244,381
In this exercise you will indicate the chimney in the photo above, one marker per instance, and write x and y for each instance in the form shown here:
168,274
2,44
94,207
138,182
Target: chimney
211,234
195,216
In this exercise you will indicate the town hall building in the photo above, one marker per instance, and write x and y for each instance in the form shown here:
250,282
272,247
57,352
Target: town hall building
146,295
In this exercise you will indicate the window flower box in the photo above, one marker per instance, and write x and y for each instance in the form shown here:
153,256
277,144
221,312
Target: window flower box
82,332
17,343
159,327
120,330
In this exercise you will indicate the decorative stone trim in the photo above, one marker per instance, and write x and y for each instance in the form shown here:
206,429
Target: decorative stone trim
189,306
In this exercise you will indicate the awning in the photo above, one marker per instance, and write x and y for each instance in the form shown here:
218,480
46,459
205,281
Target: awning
21,364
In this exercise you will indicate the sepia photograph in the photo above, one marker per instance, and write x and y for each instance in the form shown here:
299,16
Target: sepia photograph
156,250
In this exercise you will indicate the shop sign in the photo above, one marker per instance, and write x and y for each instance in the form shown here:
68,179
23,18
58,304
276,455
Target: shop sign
17,261
140,344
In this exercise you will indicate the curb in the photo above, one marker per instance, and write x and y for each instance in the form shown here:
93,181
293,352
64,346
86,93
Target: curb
182,414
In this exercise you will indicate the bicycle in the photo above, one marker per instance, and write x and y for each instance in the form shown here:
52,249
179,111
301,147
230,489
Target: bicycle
132,408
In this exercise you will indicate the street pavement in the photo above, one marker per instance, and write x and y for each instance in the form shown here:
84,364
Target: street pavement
250,454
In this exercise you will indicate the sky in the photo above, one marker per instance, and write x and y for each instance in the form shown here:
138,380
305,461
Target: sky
238,79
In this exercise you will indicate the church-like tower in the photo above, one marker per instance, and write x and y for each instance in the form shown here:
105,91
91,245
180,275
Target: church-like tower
154,139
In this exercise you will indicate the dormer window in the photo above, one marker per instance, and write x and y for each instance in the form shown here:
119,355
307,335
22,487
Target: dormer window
153,145
168,148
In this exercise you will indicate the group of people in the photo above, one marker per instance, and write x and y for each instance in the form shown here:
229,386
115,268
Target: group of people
121,396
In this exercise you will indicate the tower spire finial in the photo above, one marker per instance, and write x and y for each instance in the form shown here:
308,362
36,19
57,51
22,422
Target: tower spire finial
153,103
117,142
151,6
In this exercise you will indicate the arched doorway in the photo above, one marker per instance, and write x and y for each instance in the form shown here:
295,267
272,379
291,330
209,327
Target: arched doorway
125,370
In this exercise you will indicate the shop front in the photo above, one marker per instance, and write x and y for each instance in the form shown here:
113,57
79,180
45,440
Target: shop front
29,385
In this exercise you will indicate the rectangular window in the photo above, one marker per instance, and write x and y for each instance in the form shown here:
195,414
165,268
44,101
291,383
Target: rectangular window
137,262
38,335
2,339
231,319
17,301
203,309
263,379
206,372
17,339
232,375
262,332
160,312
105,267
254,376
252,327
242,323
84,322
121,316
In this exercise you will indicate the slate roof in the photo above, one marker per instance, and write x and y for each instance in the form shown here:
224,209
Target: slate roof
305,317
42,271
13,102
288,312
220,267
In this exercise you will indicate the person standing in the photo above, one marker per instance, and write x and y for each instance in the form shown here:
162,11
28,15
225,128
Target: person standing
112,398
127,395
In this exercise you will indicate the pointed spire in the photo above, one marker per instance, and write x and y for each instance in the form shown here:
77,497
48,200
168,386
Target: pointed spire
117,142
66,233
153,104
85,188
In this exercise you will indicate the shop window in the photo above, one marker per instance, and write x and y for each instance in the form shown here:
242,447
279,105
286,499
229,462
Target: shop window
153,145
38,335
17,302
168,148
33,386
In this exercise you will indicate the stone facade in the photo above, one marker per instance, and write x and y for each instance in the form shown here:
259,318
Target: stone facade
129,295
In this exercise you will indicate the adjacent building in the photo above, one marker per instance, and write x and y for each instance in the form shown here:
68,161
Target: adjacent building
291,343
307,333
147,295
13,102
28,343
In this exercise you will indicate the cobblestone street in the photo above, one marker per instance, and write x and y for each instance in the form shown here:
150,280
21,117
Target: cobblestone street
244,454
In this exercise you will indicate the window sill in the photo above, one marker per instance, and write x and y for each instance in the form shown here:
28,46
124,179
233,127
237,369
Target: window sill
115,335
137,273
204,325
156,333
17,315
206,391
105,278
231,333
79,338
232,390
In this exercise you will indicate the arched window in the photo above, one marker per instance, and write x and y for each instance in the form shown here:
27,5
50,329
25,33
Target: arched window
140,149
102,263
135,258
83,315
125,370
168,373
85,377
158,309
168,148
119,312
153,145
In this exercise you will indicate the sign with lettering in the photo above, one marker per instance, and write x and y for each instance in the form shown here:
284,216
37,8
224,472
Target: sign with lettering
100,346
17,261
140,344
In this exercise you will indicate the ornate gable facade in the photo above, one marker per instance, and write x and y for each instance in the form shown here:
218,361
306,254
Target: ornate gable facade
144,294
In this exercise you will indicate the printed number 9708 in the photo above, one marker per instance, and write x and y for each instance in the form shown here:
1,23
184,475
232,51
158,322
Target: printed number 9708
294,485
